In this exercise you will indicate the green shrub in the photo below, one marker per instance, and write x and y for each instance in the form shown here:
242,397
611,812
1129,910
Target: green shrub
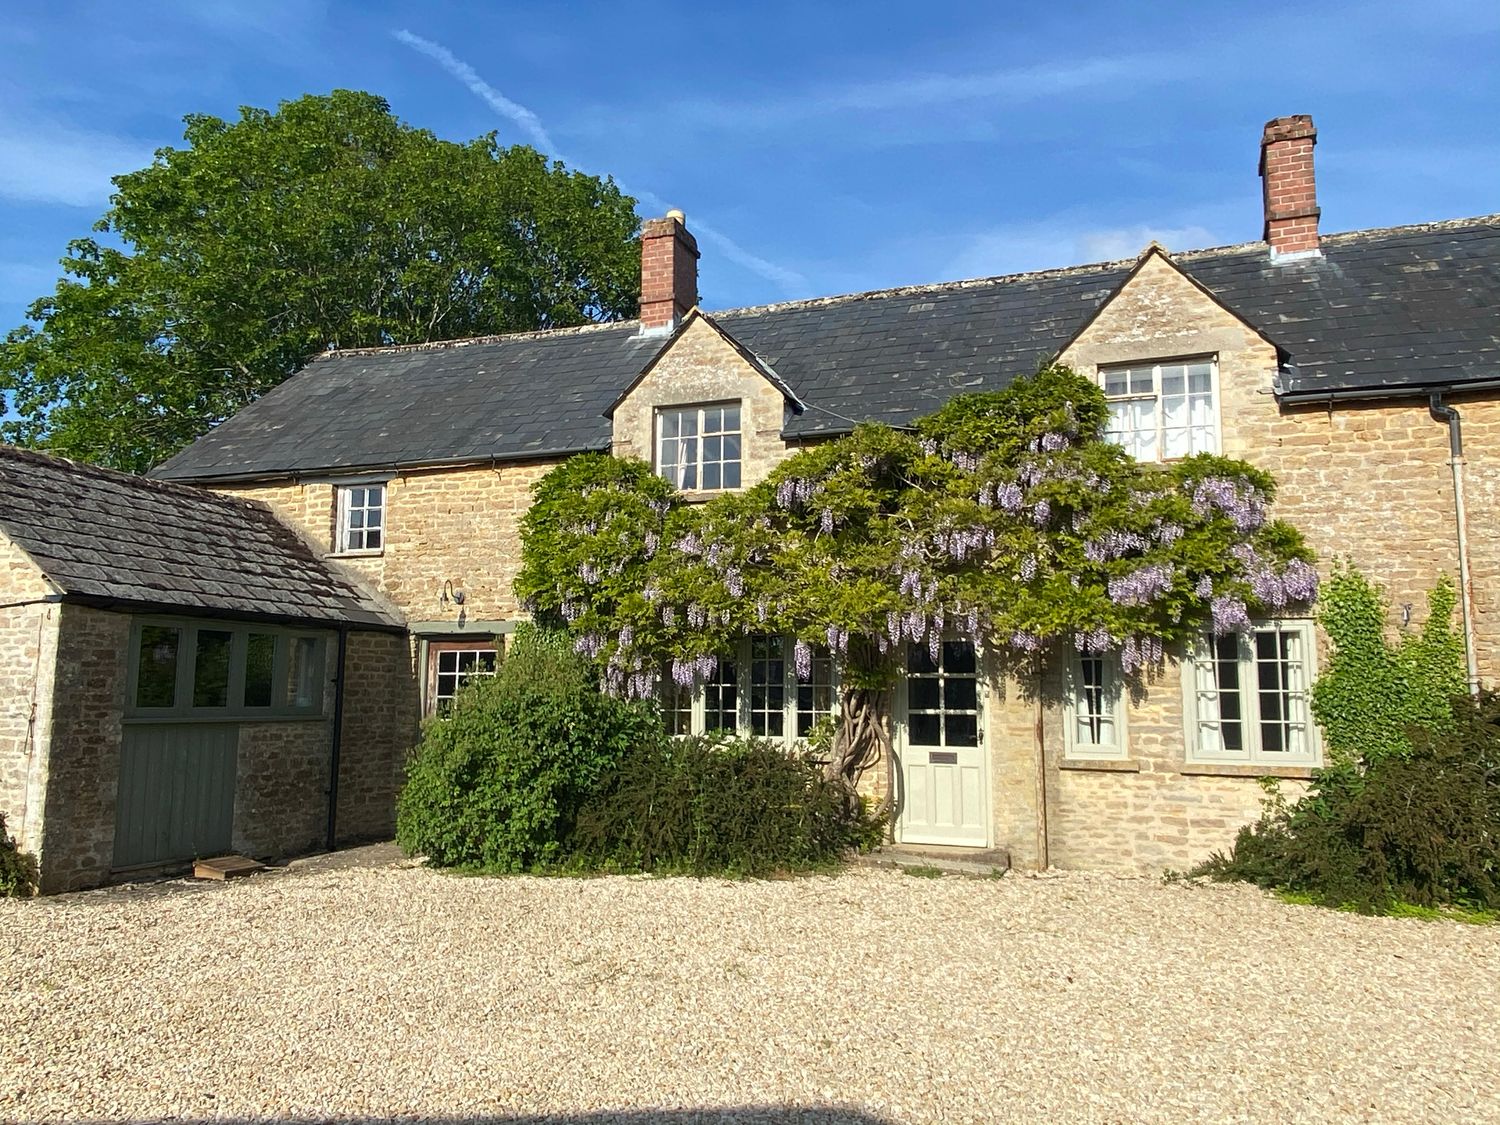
702,806
1419,828
495,785
18,872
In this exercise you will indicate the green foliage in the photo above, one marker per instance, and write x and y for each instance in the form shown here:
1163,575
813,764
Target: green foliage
1004,516
1421,827
18,871
497,784
1375,693
225,265
703,807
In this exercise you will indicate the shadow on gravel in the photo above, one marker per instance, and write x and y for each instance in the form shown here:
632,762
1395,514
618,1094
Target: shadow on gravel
726,1115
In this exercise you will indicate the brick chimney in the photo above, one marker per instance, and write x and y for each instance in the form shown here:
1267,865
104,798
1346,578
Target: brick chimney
1291,196
669,272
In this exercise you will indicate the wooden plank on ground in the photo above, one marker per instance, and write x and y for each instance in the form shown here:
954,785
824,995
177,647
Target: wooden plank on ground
226,867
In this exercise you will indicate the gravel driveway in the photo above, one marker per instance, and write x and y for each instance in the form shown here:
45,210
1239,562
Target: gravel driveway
872,996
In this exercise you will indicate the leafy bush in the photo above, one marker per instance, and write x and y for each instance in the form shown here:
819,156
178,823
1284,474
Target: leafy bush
18,872
1419,828
1375,693
495,785
703,806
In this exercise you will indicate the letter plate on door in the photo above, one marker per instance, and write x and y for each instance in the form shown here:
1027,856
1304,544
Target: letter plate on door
943,758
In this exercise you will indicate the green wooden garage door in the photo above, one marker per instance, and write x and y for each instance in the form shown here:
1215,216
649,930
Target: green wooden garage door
176,798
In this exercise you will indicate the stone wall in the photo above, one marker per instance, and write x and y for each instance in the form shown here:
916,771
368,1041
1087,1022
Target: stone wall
380,727
28,663
458,525
281,785
83,755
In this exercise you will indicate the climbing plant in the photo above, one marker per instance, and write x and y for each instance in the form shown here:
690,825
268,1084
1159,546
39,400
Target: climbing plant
1374,692
1004,517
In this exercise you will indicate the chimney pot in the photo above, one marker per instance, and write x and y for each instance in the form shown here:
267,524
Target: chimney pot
1289,186
669,271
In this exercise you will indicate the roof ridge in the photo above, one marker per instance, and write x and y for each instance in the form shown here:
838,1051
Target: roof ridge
136,480
465,341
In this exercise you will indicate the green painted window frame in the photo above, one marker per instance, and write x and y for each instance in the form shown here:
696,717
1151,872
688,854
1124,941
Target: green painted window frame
283,703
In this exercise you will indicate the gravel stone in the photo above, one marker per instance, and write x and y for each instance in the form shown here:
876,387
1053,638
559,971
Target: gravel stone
400,992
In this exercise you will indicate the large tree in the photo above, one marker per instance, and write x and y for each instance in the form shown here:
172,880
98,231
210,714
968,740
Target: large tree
1004,518
227,264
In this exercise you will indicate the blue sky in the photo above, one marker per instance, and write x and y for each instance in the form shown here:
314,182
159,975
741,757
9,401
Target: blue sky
817,148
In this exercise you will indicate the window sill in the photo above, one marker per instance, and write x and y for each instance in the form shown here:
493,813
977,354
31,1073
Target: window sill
1106,765
225,717
375,554
704,495
1251,770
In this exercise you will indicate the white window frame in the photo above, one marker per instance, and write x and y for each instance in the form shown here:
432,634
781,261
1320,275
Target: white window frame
744,724
1113,708
436,649
284,703
1200,700
1155,397
343,537
675,468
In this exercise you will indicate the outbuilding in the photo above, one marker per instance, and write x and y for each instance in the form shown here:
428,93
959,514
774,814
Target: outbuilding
182,675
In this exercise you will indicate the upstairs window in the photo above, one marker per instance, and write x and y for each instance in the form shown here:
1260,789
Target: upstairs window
1248,697
361,526
1163,411
698,447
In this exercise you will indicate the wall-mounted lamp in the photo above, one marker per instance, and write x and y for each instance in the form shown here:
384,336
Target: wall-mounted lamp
449,594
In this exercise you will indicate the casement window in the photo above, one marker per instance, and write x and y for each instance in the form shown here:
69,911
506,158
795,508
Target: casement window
1163,411
698,447
1094,710
452,664
361,518
758,693
1247,697
193,669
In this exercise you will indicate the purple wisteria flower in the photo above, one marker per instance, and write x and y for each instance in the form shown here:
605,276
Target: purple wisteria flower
760,610
934,645
1113,544
588,572
929,447
1023,641
893,626
668,616
1165,533
1028,568
971,622
697,616
1300,581
734,582
1230,614
1244,506
1041,513
690,544
802,659
1094,641
1140,652
1052,441
627,637
1143,586
1009,497
965,461
794,491
589,644
571,611
1205,587
825,521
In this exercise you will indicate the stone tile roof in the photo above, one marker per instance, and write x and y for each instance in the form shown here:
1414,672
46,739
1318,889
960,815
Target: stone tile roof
1384,311
111,539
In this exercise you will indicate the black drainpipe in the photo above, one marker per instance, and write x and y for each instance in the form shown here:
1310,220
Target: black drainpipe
1441,412
338,736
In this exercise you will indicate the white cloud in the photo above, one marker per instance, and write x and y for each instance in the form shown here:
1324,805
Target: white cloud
42,162
531,125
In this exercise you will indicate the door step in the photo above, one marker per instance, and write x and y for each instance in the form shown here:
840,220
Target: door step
226,867
979,862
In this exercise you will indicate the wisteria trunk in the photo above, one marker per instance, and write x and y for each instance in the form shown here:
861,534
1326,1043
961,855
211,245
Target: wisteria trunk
863,739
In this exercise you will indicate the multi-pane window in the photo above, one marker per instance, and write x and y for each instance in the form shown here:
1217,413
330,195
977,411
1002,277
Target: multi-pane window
1093,712
698,447
451,665
361,524
758,693
942,695
1162,411
1249,697
186,668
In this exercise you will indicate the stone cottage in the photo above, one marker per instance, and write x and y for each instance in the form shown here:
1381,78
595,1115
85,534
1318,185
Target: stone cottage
1361,369
181,675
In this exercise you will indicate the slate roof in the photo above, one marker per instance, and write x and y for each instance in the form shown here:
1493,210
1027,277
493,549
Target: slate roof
1382,312
112,539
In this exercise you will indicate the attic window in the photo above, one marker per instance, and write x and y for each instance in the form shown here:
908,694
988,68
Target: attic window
698,447
1163,411
361,526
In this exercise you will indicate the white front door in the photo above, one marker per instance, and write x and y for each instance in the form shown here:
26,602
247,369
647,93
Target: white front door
943,789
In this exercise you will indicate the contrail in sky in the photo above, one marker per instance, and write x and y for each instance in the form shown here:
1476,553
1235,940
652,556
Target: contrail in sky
531,125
